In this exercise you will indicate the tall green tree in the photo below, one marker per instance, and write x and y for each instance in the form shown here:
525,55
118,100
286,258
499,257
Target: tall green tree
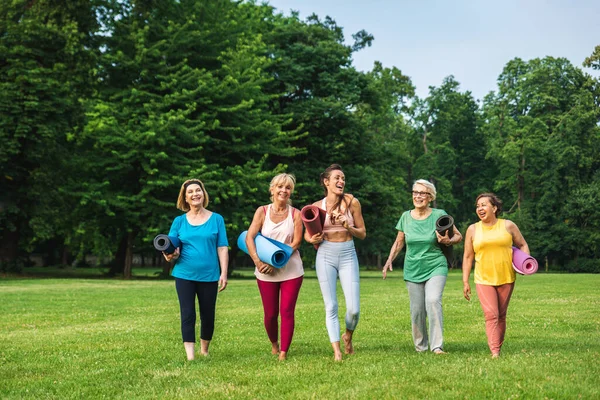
542,133
47,50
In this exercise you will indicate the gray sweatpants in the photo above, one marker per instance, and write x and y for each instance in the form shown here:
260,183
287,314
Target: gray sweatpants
426,301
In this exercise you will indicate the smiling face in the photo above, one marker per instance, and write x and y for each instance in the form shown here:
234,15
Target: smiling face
486,211
421,196
336,182
194,195
281,191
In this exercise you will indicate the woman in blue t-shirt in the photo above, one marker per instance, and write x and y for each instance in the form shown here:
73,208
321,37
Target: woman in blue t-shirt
200,263
425,266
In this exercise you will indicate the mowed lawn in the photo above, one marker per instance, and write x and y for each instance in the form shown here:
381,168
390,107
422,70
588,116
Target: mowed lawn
115,339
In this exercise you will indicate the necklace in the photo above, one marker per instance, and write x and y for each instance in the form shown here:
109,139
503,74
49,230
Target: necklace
280,212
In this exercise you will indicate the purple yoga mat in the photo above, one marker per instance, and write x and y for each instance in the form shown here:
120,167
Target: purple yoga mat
523,263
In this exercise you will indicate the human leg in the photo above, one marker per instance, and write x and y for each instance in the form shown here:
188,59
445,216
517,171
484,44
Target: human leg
504,295
488,298
186,293
289,295
434,288
207,297
350,282
269,294
327,273
416,295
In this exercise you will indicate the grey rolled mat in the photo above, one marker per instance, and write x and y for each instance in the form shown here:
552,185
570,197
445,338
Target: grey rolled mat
166,243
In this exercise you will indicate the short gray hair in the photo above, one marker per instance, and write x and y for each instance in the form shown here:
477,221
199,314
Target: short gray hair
430,187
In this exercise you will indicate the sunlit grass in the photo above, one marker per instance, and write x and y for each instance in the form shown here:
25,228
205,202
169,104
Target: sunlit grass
75,338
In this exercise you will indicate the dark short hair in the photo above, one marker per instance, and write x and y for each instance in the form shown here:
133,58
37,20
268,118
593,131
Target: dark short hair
495,200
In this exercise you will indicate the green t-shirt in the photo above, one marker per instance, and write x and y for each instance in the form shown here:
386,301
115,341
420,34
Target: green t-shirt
424,258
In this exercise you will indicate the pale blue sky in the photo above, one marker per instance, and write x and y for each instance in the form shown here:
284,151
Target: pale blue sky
470,39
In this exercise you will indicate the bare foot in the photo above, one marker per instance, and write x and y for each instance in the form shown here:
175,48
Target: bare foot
204,347
337,356
439,351
274,348
189,350
283,356
348,348
337,352
496,355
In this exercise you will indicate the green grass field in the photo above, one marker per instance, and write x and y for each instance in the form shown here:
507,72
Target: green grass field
115,339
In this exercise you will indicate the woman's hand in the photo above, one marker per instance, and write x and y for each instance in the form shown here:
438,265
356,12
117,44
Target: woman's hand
222,282
467,290
386,267
173,256
316,238
264,268
341,218
446,240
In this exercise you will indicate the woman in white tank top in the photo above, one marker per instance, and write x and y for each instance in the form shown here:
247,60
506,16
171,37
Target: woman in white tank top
278,287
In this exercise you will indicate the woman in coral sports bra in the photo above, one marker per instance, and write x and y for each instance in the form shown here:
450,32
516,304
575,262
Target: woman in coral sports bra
336,256
490,242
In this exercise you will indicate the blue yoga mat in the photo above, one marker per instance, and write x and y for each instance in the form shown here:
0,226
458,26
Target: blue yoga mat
269,251
166,243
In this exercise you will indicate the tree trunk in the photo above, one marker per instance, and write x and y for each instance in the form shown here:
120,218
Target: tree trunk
128,256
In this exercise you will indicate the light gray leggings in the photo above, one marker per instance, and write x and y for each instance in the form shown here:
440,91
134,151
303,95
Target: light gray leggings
338,259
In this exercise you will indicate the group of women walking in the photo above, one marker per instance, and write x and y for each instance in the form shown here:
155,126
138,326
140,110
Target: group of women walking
201,262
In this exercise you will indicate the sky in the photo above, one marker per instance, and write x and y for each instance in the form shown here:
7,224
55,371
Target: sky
473,40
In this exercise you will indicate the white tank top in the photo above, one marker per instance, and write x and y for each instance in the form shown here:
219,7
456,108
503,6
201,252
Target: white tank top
283,232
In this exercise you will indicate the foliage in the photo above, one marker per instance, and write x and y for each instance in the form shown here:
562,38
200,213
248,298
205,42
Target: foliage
106,107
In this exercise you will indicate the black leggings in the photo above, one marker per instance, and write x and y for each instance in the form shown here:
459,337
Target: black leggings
207,297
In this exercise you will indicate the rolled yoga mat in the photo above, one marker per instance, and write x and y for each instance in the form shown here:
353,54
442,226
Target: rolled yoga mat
523,263
269,251
313,218
444,224
166,243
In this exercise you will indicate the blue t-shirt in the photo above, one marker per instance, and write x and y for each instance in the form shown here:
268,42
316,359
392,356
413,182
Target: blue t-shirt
199,260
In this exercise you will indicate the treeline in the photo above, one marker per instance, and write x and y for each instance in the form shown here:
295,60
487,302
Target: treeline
108,105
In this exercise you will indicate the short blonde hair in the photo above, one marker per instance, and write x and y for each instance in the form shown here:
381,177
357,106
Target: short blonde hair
430,187
286,179
181,203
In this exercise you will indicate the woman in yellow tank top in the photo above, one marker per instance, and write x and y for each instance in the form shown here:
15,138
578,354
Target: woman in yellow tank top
490,242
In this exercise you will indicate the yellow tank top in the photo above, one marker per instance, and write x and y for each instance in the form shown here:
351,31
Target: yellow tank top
493,254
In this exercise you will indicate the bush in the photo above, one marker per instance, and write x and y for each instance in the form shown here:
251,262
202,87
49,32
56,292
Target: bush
589,265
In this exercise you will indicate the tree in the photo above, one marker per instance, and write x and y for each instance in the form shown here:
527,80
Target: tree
47,51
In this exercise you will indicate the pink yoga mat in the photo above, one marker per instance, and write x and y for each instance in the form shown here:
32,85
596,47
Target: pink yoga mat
313,219
523,263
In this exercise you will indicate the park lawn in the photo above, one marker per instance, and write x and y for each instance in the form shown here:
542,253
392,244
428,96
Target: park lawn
101,338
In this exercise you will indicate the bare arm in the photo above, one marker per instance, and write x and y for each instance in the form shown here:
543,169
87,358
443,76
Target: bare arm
394,251
358,230
518,239
255,226
298,227
467,265
223,253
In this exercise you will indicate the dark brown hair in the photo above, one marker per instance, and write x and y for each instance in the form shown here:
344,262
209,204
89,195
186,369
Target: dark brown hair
325,175
495,200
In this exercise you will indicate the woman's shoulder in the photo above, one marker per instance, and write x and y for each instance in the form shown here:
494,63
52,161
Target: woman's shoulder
438,212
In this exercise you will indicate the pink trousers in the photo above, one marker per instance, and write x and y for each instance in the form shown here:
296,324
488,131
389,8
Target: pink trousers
270,293
494,302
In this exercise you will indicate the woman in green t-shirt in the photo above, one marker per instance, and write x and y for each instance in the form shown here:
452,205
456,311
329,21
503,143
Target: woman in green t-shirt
425,266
